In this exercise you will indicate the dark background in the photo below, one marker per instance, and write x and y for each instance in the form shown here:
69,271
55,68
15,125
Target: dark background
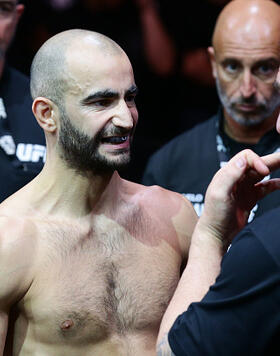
168,103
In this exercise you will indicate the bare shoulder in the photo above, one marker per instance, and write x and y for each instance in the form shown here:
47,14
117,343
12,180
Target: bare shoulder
16,248
156,197
169,209
13,226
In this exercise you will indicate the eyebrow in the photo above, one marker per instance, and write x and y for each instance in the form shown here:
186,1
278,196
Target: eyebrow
107,94
268,60
261,60
101,94
8,2
230,59
132,90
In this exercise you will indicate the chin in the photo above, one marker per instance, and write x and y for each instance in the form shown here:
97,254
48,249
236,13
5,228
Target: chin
120,164
248,121
108,163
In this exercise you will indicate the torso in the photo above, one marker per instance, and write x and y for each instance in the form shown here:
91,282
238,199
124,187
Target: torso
98,289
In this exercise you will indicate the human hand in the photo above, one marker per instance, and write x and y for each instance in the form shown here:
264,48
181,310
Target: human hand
234,191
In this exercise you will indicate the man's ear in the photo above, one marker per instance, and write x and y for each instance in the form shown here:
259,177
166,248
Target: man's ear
45,112
19,11
211,53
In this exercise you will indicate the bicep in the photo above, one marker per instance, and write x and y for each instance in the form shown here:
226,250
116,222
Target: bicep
184,223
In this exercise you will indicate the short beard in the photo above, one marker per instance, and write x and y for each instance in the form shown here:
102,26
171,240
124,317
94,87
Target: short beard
267,107
80,152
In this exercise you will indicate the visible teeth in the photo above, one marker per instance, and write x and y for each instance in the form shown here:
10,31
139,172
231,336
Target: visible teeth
116,139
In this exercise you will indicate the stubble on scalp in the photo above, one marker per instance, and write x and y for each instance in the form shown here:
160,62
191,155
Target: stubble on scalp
50,76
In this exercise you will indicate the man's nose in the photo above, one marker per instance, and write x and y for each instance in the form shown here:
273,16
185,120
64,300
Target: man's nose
248,84
277,82
122,116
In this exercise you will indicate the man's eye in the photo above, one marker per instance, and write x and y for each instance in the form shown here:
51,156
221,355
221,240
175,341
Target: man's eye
102,102
130,99
7,7
266,69
231,67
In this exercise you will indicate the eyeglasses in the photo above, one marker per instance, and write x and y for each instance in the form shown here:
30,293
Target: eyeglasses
7,8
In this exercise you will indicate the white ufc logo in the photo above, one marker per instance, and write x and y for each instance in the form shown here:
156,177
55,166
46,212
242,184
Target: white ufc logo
27,152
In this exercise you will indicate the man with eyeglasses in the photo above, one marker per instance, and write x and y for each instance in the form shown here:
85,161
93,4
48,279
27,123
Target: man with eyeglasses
22,145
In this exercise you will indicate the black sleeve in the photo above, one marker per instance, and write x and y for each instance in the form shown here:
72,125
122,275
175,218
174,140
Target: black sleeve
240,313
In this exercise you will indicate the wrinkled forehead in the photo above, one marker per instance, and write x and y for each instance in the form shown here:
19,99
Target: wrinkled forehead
248,41
90,65
257,31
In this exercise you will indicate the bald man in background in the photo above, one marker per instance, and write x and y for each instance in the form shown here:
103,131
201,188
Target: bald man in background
245,57
88,261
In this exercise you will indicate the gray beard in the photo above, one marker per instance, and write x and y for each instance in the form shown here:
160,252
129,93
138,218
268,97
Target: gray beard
249,120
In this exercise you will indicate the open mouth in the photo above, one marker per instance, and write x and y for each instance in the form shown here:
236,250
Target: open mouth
247,107
115,139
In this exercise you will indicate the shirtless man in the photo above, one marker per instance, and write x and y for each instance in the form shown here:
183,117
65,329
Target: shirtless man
88,261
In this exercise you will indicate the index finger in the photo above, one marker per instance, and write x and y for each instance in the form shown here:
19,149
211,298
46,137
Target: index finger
243,163
272,161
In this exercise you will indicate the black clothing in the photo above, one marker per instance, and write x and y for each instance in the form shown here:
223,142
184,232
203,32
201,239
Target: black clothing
240,313
22,142
188,162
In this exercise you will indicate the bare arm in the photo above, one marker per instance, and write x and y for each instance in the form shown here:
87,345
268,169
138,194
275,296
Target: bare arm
15,263
202,269
232,193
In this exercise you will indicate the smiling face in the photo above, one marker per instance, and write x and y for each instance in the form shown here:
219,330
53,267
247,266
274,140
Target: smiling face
99,115
245,60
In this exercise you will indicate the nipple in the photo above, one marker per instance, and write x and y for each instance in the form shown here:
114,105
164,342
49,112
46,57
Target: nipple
66,324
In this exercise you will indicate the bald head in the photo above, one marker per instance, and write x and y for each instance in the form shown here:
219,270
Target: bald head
248,20
50,75
245,58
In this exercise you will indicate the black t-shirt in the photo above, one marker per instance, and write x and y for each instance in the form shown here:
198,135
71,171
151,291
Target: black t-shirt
17,121
188,162
240,313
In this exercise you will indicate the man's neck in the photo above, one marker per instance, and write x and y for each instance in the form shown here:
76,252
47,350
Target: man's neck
65,192
248,134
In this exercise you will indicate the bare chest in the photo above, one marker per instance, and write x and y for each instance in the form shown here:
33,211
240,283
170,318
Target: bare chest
105,282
